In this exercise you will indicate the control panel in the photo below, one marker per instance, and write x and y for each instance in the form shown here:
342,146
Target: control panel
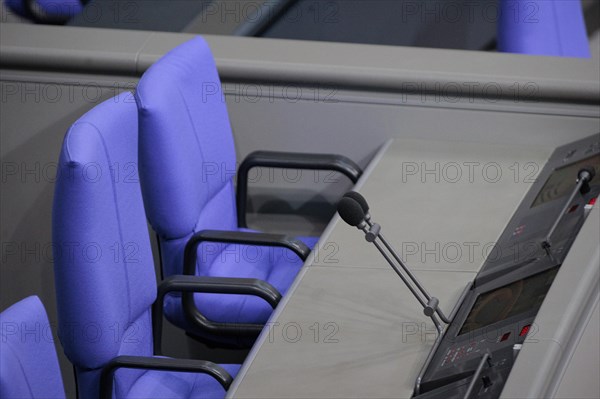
474,356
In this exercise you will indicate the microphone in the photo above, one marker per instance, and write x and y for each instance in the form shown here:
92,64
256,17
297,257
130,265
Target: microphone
585,176
362,202
359,199
351,211
582,186
354,210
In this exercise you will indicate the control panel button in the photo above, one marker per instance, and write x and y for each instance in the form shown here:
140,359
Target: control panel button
525,330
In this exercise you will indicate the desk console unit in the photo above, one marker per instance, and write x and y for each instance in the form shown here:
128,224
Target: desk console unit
474,356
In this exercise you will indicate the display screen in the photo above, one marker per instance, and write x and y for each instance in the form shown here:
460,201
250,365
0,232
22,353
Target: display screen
513,299
563,180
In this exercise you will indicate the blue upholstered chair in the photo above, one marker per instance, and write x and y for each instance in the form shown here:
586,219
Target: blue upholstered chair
543,27
54,12
28,364
187,166
104,273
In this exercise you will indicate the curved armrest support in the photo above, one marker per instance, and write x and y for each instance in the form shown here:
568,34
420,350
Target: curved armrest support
213,285
163,364
289,160
239,237
232,285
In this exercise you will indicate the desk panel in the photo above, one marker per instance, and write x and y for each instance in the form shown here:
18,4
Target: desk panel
349,327
347,332
443,204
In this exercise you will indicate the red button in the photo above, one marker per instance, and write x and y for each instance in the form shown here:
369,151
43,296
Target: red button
524,330
592,201
505,337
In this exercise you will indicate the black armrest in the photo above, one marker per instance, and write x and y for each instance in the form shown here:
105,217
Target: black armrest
213,285
239,237
260,288
34,11
163,364
289,160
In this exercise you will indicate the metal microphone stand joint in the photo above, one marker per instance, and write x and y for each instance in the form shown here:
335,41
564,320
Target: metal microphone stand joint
430,303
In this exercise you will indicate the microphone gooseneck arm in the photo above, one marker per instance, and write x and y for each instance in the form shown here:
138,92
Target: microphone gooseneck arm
584,176
433,302
353,209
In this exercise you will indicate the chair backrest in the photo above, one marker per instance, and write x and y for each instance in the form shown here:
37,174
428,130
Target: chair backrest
52,8
187,153
104,274
28,363
542,27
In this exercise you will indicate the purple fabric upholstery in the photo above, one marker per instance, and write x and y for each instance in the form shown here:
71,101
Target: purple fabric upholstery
66,8
155,384
187,166
104,271
543,27
28,363
275,265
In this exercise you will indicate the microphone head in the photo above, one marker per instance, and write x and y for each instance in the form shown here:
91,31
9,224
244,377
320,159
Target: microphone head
358,198
351,211
588,169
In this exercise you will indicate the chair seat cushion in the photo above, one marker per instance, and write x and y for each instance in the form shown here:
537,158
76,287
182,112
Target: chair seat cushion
166,385
277,266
